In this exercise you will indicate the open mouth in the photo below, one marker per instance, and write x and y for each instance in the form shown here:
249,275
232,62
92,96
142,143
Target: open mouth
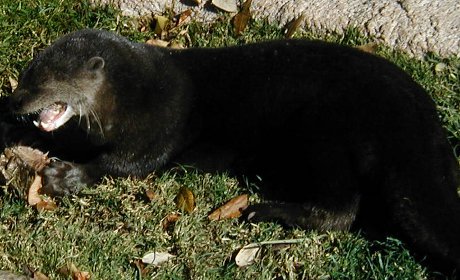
54,116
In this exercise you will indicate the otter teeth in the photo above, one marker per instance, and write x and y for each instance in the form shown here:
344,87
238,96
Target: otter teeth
54,116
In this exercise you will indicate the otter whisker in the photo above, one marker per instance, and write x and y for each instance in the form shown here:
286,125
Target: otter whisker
79,113
88,124
98,121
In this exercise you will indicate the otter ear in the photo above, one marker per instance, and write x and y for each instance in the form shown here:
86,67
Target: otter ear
95,63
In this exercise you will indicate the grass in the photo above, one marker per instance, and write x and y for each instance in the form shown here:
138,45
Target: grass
106,229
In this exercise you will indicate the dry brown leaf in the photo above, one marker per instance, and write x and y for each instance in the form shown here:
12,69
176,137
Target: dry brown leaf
293,25
81,275
47,205
19,165
241,19
164,44
71,270
13,83
23,158
231,209
184,17
33,158
176,45
40,276
157,43
369,48
169,220
10,164
150,194
185,200
140,266
33,197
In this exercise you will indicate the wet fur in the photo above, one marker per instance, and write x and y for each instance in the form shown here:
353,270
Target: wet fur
340,139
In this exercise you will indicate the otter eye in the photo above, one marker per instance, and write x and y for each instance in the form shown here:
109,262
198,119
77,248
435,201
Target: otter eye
95,63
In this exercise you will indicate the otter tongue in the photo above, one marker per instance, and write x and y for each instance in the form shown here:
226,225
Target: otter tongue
48,118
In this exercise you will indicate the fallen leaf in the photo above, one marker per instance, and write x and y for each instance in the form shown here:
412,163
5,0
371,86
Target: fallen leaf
231,209
157,258
293,25
185,200
71,270
13,83
33,197
369,48
40,276
157,43
140,266
176,45
440,67
81,275
226,5
19,165
183,17
33,158
48,205
241,19
161,23
169,220
247,255
10,164
150,194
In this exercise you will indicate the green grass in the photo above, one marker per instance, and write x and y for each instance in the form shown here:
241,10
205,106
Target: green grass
108,227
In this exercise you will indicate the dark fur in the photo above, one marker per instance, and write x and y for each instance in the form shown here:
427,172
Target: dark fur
340,138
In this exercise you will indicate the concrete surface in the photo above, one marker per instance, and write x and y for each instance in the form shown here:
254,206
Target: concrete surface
415,26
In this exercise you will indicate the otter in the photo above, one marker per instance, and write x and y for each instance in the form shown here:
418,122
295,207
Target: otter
336,138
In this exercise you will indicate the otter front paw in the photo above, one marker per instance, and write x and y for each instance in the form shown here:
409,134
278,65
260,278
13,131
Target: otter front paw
61,178
287,214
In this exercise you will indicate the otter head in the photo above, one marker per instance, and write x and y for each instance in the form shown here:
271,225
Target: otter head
53,90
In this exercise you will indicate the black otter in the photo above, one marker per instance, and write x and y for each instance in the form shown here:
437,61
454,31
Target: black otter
337,138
